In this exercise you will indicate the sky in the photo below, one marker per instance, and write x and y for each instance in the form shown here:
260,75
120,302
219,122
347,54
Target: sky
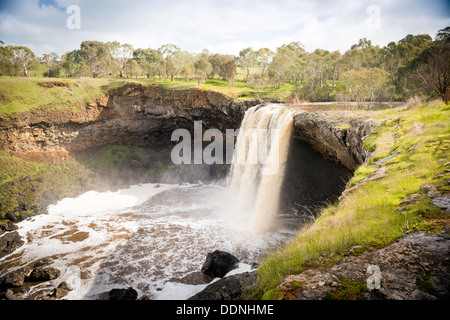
221,26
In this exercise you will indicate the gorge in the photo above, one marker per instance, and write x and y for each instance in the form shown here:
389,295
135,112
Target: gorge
155,222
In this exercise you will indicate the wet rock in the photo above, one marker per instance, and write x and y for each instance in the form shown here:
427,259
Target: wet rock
228,288
43,262
61,291
44,274
8,226
218,264
123,294
10,242
15,278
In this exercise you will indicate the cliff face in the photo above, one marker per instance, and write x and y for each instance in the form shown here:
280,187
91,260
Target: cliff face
338,136
138,115
134,114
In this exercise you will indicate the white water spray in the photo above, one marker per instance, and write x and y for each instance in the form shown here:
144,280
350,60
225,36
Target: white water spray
259,164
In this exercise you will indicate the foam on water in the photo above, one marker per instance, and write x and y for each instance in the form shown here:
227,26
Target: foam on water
147,237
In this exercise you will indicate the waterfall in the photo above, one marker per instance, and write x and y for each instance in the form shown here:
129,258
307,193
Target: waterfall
258,165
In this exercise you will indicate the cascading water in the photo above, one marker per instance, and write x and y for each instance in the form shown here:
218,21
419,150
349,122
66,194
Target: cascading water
154,237
259,164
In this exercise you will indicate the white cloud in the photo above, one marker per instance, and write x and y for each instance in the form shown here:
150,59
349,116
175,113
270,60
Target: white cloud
221,26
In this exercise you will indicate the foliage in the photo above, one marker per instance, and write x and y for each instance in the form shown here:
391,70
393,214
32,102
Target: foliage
414,66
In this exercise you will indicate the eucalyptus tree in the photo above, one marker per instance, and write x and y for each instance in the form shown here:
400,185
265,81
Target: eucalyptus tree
97,57
151,62
280,66
121,54
51,60
23,58
247,60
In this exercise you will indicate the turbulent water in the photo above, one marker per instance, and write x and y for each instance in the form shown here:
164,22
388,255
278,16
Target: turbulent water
155,237
259,165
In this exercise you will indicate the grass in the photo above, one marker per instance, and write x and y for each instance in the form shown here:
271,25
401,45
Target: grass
19,94
26,187
23,94
370,216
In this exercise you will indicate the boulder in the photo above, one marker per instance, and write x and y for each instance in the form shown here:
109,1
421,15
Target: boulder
8,226
123,294
61,291
218,264
44,274
15,278
229,288
442,203
10,242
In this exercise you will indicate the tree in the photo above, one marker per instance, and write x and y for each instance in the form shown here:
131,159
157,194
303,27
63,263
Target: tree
132,68
263,57
247,59
24,58
433,65
71,63
202,67
173,56
121,53
365,84
51,60
281,63
97,56
228,70
6,60
151,62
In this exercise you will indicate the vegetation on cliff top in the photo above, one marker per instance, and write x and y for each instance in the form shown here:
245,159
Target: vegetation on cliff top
416,64
413,145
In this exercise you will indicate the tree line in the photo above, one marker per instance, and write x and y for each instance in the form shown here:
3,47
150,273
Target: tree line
415,65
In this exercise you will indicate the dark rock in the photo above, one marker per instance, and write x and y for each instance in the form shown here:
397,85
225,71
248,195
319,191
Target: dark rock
44,274
8,226
43,262
123,294
10,242
443,203
229,288
15,278
322,130
219,263
61,291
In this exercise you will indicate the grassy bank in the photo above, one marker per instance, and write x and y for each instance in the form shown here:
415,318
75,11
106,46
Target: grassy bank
374,214
22,94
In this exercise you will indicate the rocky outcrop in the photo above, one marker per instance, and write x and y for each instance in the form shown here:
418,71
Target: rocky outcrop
134,114
10,242
16,284
338,135
416,267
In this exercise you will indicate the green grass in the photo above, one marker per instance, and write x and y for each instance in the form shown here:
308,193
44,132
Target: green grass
26,186
22,94
370,215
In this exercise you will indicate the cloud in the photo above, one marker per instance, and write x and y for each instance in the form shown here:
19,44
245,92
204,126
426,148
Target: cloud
221,26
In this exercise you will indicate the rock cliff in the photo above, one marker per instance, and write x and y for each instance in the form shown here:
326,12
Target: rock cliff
134,114
338,136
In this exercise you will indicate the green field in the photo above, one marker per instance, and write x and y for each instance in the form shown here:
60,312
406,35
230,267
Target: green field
18,94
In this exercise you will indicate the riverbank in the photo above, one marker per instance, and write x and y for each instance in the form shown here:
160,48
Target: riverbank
392,194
